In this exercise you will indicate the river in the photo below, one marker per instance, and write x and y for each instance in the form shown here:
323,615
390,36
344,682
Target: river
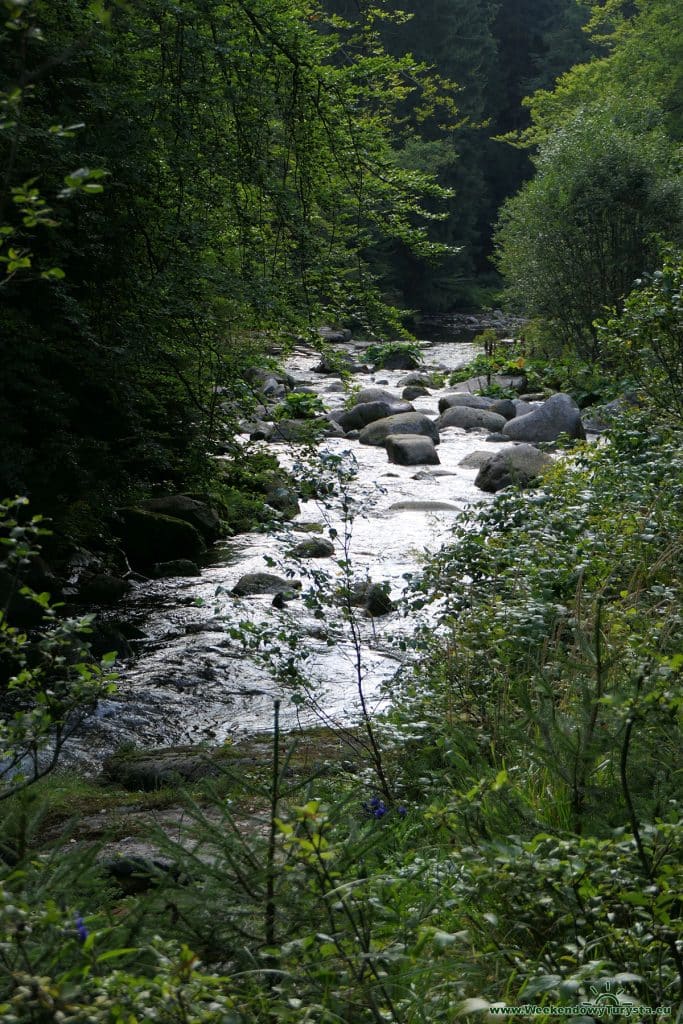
192,681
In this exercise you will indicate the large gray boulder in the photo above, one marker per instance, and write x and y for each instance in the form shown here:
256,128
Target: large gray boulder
558,415
411,450
471,419
374,395
368,412
475,460
400,359
405,423
522,407
504,407
518,464
458,399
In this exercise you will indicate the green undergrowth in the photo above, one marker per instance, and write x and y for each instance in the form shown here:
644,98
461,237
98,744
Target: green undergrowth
588,383
528,849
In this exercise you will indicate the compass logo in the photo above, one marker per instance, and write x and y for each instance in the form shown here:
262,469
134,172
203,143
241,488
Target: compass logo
607,996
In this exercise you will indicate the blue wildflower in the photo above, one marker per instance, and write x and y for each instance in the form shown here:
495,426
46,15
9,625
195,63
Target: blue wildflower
402,811
81,930
375,807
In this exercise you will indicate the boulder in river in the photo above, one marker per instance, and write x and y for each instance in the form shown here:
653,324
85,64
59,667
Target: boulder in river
471,419
150,537
504,407
405,423
377,600
336,363
400,359
197,513
422,380
423,505
413,391
475,460
300,431
411,450
374,395
522,407
176,567
458,399
518,464
282,498
314,547
102,588
368,412
264,583
558,415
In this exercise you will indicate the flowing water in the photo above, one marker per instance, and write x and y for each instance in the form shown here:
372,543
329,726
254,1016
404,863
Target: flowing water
193,681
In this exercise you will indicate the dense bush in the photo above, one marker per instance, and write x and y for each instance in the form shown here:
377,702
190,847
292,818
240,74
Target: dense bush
573,240
646,340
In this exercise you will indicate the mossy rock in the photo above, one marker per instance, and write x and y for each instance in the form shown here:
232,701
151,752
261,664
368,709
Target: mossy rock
191,510
158,768
150,537
243,512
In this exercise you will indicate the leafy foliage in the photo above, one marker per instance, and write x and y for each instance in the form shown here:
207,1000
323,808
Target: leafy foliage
647,338
50,681
381,354
573,240
249,167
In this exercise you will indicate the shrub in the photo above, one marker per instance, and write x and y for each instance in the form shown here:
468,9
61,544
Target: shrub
646,340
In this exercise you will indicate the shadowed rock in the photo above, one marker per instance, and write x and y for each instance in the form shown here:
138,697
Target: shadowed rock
264,583
519,464
368,412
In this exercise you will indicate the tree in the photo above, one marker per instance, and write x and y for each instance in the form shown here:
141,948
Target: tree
572,241
250,165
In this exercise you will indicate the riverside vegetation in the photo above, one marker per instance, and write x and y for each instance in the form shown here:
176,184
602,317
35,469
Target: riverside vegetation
509,831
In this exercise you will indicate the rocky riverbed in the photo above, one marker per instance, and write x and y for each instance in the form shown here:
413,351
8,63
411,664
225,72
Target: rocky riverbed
194,678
